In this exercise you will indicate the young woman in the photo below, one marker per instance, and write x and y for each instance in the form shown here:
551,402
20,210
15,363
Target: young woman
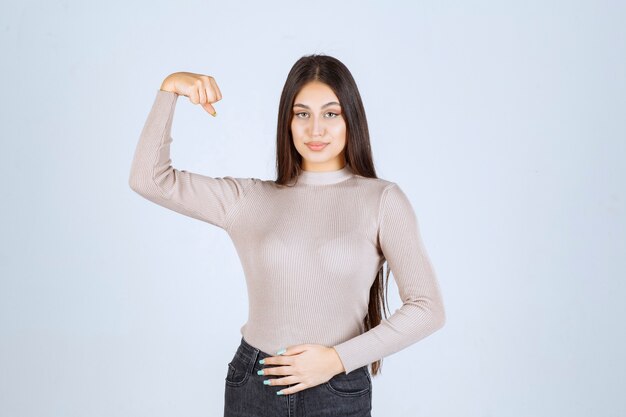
312,243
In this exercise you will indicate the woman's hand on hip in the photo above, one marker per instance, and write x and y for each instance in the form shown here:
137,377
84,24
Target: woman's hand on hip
306,365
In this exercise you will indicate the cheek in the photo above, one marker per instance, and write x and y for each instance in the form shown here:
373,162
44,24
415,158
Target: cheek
296,130
339,131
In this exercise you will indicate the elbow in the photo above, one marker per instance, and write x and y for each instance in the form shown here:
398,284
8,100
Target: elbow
144,183
441,319
439,316
139,180
435,314
134,182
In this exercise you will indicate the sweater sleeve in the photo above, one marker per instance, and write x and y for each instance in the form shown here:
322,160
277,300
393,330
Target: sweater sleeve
209,199
422,312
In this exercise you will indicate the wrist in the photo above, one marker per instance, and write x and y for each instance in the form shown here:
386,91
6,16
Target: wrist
339,368
168,85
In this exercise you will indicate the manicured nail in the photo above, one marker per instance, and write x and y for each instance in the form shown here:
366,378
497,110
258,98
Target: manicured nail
266,382
260,372
262,361
279,392
280,352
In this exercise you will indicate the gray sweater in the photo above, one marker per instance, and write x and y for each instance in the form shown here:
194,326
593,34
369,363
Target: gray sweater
310,253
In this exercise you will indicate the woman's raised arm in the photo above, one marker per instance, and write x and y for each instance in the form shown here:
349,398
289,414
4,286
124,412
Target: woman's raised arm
210,199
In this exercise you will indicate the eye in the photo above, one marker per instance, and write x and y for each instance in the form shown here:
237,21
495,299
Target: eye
298,114
333,113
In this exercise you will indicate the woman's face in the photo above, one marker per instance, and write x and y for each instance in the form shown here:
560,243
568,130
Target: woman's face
318,128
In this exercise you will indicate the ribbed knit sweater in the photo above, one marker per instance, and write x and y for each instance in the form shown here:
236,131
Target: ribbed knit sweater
310,252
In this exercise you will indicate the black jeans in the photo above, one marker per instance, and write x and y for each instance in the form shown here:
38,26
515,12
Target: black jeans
246,396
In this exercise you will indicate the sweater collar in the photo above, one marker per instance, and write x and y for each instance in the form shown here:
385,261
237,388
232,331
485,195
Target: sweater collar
325,177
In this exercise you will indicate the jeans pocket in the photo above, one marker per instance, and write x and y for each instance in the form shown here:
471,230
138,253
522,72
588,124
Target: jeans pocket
235,376
356,383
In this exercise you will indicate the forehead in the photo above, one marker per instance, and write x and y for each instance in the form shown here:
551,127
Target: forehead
315,92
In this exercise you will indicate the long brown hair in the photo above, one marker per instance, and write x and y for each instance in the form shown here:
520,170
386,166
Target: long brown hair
358,153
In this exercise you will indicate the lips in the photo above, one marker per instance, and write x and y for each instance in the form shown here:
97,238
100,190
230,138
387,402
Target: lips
316,146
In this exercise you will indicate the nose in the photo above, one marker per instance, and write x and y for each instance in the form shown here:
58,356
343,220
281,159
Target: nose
317,127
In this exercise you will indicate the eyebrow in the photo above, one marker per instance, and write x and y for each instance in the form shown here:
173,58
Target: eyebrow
325,105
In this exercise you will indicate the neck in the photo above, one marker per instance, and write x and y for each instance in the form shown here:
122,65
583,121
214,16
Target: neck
325,177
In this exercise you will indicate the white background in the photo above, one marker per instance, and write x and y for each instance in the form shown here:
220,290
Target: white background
504,122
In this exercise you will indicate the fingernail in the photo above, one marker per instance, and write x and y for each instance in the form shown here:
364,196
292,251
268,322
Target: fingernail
262,361
260,372
279,392
213,114
266,382
280,352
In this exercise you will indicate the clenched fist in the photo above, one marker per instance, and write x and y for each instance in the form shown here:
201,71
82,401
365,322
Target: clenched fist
201,89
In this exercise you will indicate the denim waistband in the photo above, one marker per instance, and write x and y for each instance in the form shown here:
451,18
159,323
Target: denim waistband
248,357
